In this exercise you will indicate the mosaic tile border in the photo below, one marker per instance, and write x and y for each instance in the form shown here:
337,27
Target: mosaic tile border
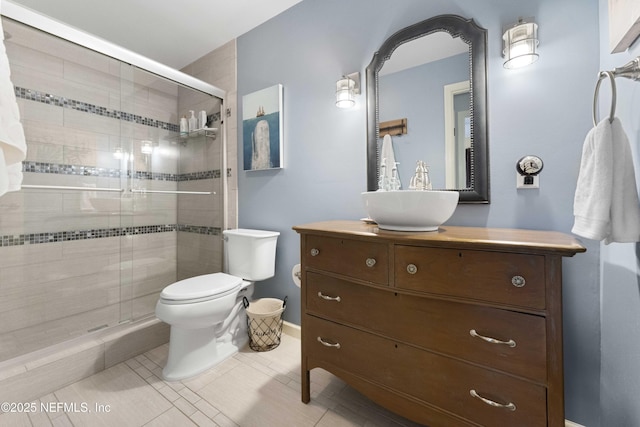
99,233
210,231
63,169
61,101
195,176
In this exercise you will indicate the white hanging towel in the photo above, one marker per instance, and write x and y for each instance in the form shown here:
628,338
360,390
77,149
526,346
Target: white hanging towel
606,205
13,147
388,154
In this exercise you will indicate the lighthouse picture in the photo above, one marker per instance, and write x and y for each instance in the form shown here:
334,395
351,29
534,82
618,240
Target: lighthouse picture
262,129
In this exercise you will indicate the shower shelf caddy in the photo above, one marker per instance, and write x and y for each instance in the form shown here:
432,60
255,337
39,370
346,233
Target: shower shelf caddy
198,133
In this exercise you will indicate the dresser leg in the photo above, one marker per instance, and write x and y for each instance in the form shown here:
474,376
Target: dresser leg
306,384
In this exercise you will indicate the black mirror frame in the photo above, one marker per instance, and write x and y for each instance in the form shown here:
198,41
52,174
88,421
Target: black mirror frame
476,37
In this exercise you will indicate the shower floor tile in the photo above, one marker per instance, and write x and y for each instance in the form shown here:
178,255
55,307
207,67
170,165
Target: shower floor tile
249,389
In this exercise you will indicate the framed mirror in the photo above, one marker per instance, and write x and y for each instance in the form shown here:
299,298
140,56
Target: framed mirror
433,75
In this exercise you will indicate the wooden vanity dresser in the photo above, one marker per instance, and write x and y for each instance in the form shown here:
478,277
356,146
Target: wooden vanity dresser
458,327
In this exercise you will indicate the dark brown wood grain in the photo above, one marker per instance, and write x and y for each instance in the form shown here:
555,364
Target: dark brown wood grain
405,338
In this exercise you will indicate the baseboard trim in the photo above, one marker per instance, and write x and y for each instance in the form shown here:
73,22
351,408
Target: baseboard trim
291,329
568,423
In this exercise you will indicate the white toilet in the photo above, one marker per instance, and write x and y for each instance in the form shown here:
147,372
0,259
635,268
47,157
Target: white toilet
207,319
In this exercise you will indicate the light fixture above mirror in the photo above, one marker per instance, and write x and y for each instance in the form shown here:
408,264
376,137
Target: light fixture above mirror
520,44
346,90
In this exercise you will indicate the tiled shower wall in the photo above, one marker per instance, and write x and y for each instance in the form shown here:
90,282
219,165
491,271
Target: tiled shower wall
75,261
200,245
218,68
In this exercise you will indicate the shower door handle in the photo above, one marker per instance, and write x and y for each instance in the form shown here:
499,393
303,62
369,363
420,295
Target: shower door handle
143,191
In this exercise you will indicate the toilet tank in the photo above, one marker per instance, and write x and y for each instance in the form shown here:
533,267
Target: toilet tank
250,254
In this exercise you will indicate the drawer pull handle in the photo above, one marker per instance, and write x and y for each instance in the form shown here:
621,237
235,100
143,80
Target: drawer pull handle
509,406
412,269
370,262
315,252
328,344
518,281
473,333
328,298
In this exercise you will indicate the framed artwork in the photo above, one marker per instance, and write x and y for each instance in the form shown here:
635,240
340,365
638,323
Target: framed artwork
262,129
624,24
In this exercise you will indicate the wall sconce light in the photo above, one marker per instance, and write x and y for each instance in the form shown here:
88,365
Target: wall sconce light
117,154
346,90
520,44
147,147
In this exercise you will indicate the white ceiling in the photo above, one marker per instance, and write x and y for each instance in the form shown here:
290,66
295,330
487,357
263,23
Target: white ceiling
172,32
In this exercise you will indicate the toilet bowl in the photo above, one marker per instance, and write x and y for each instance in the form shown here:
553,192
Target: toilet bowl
199,301
207,319
193,307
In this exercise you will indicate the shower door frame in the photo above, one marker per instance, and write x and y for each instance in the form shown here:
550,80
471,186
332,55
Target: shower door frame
45,24
48,25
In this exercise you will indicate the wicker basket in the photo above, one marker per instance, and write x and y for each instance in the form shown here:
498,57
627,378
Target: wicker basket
264,322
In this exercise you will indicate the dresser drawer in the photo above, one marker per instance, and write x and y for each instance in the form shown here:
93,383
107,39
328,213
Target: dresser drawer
506,278
363,260
441,381
502,339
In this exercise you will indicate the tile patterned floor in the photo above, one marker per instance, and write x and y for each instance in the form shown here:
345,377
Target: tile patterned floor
249,389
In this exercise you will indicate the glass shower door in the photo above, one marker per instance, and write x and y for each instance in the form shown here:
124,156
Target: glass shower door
173,209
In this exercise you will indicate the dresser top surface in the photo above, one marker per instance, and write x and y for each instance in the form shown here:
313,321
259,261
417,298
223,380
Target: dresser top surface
452,236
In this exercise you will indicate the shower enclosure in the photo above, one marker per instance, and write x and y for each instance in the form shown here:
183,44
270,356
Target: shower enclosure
116,203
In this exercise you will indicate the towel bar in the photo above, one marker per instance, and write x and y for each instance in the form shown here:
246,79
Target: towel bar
115,190
65,187
206,193
630,70
393,127
612,79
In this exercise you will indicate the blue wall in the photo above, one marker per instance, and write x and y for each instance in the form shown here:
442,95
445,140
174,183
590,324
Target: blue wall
543,109
417,95
620,287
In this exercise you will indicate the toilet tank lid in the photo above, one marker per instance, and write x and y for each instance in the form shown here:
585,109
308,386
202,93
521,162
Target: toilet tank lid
251,233
200,286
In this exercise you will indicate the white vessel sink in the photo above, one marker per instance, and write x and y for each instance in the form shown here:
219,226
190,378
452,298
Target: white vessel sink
410,210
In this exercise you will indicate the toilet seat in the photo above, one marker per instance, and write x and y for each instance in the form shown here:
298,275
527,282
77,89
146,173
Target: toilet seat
200,288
